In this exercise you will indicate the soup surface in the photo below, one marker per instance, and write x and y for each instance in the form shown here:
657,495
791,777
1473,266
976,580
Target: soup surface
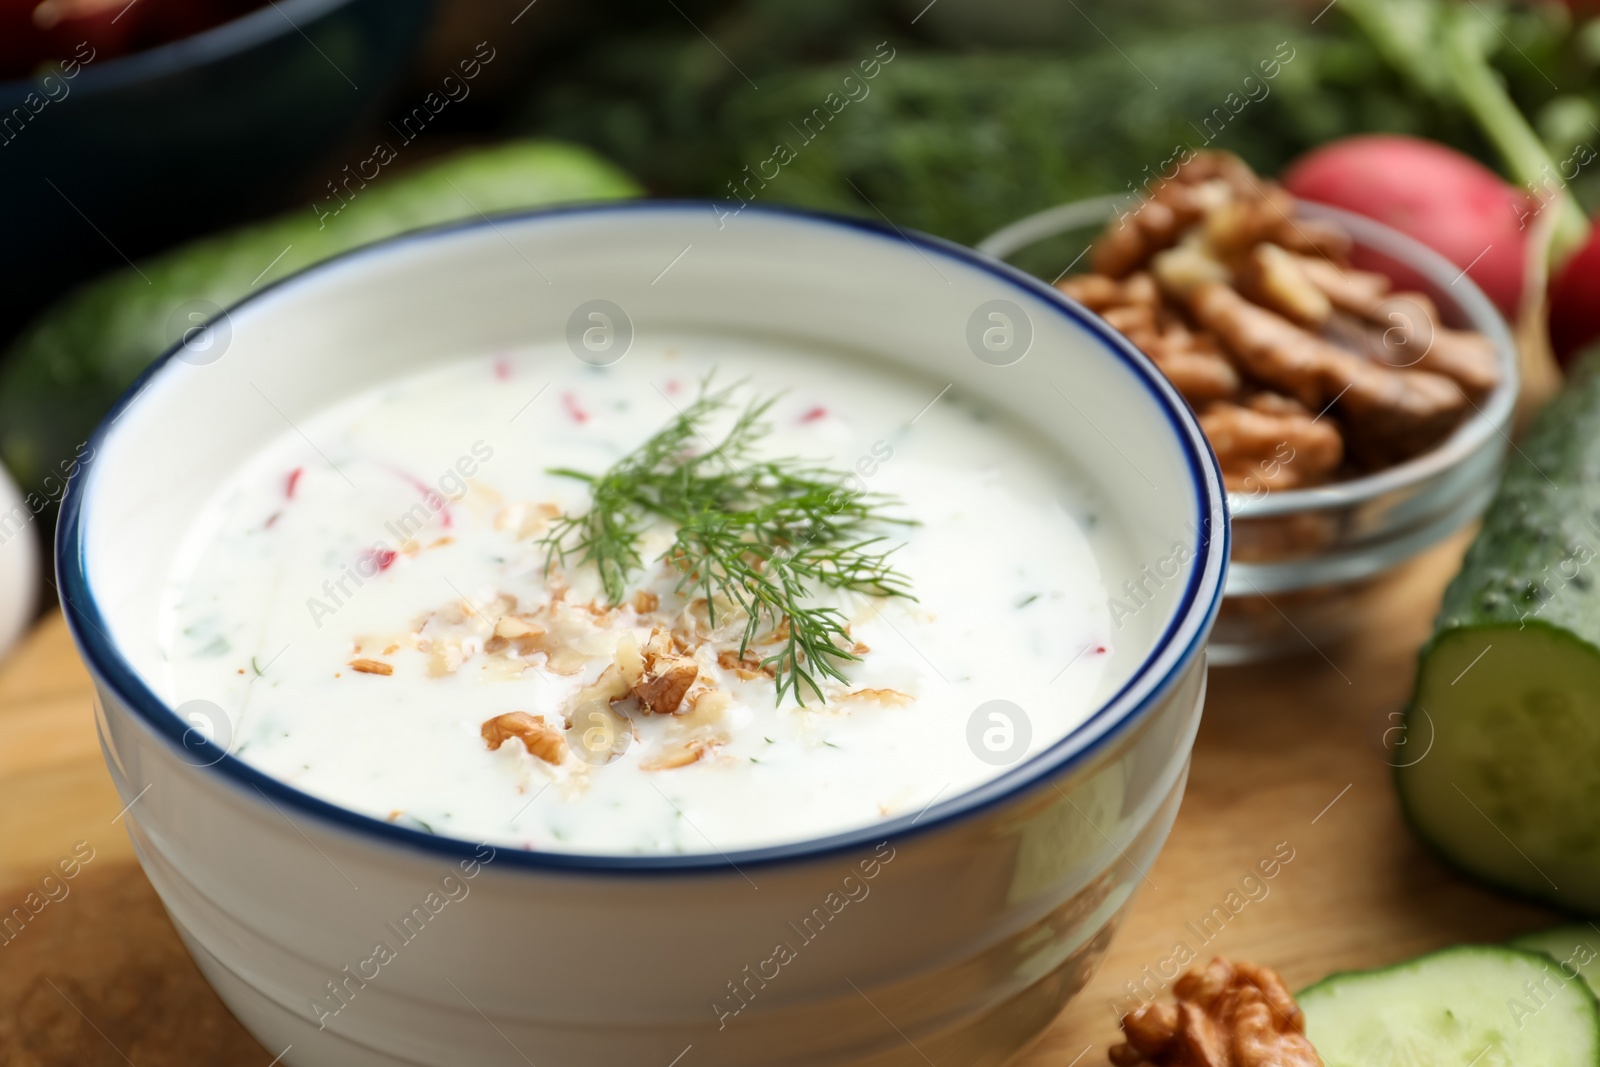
369,609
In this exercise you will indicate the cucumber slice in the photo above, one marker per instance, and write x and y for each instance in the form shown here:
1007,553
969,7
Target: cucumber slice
1510,790
1575,948
1477,1005
1500,770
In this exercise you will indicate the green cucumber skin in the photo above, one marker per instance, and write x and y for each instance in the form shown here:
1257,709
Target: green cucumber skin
1585,995
1531,568
1531,559
1328,981
72,363
1573,947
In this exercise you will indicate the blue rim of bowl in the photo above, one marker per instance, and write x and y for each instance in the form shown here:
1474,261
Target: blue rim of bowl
222,41
1116,714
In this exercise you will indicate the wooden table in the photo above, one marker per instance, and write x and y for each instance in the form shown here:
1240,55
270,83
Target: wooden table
1292,753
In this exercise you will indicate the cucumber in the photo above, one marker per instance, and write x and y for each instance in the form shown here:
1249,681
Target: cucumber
1483,1005
70,365
1500,770
1575,948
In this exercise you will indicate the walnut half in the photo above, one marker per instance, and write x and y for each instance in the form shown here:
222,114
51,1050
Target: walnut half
1226,1015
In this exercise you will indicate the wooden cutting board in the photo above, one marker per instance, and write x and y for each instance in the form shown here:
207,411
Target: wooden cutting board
1290,761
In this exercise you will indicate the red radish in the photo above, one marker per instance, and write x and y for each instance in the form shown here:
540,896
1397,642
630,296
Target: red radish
1448,201
1575,301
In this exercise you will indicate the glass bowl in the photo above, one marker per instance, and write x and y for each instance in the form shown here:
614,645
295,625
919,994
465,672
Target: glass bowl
1306,563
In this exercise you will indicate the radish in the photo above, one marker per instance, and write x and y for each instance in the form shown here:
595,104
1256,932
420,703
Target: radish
1575,301
1448,201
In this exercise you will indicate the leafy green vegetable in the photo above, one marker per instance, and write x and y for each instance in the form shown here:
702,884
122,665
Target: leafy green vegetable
1444,48
988,112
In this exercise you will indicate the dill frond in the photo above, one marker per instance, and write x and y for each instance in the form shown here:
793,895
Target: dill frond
762,534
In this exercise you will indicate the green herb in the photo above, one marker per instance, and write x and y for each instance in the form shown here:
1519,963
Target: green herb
763,534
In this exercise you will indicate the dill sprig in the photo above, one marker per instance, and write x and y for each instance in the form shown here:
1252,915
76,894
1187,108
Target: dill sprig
762,534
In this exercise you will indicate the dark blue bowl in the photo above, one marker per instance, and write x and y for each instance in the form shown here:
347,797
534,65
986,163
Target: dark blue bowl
139,152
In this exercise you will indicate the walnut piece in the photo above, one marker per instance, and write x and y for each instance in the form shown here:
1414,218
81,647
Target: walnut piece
1273,443
747,666
887,697
1405,327
1193,362
539,737
677,754
666,676
1393,413
1226,1015
1276,279
371,666
1161,219
1235,296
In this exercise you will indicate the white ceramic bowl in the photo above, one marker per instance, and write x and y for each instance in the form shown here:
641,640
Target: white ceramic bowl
953,936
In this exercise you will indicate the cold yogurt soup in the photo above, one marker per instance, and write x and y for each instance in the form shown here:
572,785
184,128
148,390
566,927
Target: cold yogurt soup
630,609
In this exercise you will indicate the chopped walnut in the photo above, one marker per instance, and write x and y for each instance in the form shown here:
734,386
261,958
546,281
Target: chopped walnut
708,706
1226,1015
524,519
445,657
619,676
747,666
677,754
666,677
572,638
539,737
371,666
886,697
664,692
644,602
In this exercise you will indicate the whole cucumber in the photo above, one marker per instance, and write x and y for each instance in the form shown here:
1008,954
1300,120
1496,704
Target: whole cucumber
1500,769
67,369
